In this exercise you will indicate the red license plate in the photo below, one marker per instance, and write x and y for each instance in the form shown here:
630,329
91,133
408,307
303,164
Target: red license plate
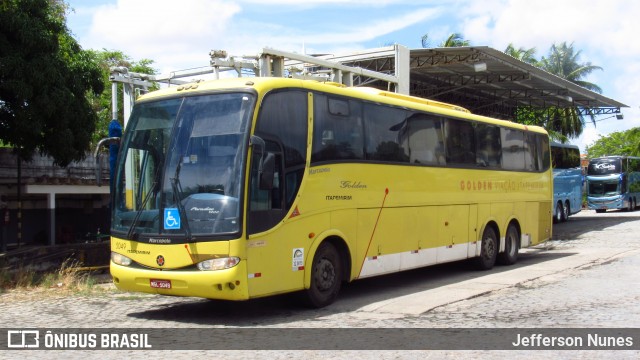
160,284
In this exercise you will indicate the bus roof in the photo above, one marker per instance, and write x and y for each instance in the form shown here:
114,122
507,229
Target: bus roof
615,157
264,84
561,145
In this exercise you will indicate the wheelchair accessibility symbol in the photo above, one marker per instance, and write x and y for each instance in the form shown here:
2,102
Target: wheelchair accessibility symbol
171,219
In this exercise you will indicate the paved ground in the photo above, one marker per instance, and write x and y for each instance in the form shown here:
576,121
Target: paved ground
585,277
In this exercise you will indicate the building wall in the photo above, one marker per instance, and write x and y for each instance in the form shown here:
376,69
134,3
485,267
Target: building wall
78,215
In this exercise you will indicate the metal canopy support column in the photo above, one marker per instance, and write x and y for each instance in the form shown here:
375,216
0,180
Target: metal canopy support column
278,67
128,99
403,69
114,100
51,209
271,66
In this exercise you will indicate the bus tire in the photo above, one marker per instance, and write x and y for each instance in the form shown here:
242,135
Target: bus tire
326,276
511,247
488,249
567,211
559,211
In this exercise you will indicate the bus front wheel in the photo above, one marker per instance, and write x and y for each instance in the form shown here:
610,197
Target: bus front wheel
559,212
326,276
488,249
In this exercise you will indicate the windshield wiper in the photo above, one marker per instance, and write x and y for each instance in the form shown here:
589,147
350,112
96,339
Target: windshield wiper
153,190
177,194
136,218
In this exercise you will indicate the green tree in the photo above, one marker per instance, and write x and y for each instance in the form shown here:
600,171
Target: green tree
617,143
101,103
45,78
453,40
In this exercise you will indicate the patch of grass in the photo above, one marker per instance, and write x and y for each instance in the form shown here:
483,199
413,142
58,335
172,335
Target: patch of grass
70,277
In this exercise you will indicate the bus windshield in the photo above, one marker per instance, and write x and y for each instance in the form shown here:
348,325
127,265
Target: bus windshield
180,170
604,188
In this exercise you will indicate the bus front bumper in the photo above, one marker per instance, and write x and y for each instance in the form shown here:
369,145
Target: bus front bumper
228,284
607,203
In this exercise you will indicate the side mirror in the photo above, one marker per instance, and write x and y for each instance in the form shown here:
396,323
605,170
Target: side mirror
96,155
267,172
266,164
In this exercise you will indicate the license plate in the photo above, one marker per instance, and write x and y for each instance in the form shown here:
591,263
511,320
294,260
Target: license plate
160,284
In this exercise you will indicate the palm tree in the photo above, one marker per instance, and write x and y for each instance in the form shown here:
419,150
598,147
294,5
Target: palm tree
454,40
525,55
562,61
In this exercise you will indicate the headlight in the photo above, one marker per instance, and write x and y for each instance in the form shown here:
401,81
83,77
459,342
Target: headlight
218,264
120,259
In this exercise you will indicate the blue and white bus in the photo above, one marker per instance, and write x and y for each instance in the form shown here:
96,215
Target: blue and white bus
613,182
567,181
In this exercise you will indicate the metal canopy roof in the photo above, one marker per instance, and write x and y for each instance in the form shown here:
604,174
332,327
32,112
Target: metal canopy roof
489,82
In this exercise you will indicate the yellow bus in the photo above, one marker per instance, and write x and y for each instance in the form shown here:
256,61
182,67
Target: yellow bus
244,188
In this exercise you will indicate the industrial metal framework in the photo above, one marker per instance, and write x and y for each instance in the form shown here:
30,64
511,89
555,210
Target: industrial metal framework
481,79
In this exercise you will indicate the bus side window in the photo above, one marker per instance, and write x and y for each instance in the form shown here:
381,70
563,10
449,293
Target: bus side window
532,154
512,149
460,142
488,148
424,139
337,129
385,127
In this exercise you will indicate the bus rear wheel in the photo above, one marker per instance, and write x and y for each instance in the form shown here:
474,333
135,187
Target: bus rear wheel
510,254
326,276
488,249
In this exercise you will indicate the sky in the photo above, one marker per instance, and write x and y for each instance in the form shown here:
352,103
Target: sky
179,35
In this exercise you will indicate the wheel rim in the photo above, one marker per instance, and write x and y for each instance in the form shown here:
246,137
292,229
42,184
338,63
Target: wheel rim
489,246
325,275
513,243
